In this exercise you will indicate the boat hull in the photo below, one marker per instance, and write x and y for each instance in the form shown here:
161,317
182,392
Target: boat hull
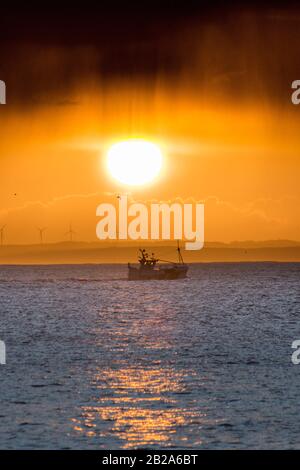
144,273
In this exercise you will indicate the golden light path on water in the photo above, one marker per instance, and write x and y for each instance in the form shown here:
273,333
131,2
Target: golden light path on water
137,420
138,391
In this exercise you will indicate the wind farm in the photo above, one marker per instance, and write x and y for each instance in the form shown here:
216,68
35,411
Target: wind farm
41,233
2,234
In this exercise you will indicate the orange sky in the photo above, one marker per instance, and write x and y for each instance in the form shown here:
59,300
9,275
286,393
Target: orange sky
242,161
217,100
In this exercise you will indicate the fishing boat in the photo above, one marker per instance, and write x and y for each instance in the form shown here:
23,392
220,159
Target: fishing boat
150,269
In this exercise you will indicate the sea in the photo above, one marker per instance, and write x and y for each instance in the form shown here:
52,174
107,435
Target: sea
94,361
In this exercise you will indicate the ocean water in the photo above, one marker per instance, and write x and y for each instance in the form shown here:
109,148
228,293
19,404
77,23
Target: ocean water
98,362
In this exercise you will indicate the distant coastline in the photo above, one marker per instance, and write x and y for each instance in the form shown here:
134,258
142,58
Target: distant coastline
107,253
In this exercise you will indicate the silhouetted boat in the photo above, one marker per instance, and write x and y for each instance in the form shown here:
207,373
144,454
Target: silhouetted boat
149,268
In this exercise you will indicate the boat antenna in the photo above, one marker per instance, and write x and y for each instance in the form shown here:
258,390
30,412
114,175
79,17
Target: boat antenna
180,258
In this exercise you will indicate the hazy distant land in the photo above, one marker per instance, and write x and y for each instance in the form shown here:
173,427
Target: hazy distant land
97,252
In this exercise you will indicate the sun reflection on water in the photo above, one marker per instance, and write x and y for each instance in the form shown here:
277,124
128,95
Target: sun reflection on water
142,407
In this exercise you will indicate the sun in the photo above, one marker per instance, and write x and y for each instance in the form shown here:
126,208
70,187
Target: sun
134,162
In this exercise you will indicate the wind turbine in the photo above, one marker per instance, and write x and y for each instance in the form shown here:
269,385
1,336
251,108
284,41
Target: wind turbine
2,234
41,230
71,233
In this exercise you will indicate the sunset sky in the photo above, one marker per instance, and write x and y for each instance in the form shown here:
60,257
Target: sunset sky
211,88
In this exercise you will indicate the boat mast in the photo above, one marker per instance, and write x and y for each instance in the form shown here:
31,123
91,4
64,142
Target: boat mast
180,258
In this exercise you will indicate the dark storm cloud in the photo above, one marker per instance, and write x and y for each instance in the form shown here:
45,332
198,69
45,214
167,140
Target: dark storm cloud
214,48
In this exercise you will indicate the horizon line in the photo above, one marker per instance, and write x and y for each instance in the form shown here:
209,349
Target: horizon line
145,242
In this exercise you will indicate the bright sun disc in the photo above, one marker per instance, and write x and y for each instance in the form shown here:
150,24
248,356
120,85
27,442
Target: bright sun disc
134,162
